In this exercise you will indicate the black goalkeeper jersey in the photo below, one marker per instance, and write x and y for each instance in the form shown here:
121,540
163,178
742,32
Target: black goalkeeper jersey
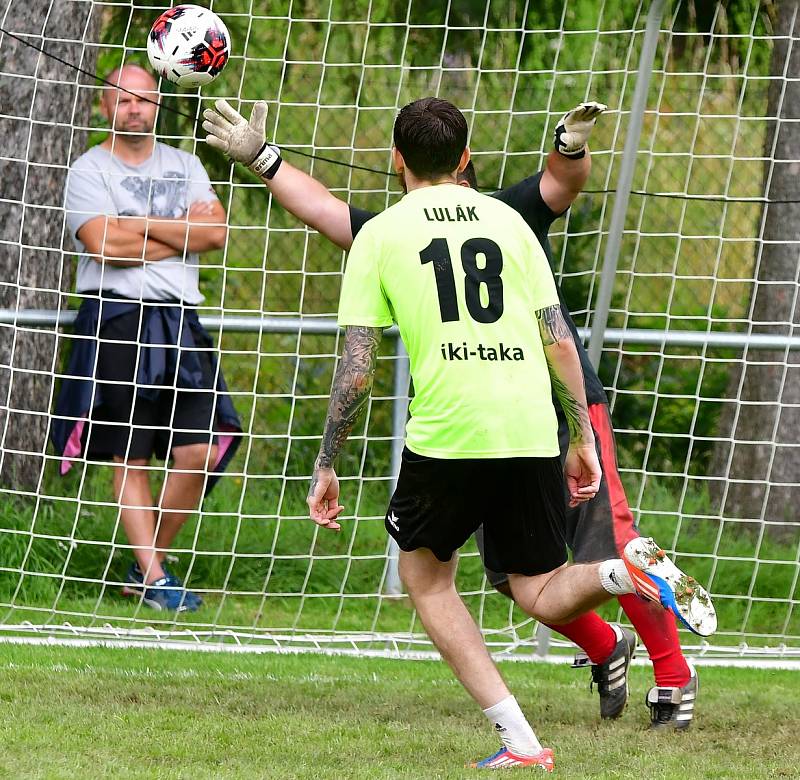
526,199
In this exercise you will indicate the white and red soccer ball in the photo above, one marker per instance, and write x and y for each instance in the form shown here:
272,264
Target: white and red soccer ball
189,45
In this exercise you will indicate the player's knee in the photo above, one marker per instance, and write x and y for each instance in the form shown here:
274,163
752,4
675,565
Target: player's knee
194,457
132,469
423,575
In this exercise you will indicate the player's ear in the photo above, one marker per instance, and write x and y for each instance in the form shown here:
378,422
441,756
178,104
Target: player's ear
397,160
462,163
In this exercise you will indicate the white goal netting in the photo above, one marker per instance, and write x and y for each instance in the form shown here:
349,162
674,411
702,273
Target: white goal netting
700,354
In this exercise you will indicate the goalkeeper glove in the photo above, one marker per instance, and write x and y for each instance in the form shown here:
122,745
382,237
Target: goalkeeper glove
241,140
573,131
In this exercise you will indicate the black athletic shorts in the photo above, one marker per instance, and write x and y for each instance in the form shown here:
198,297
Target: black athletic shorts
439,504
132,427
599,529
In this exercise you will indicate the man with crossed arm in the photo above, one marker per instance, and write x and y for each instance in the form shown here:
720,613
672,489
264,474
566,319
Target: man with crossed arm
142,379
595,531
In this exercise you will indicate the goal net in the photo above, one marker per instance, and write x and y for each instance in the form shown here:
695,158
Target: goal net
699,347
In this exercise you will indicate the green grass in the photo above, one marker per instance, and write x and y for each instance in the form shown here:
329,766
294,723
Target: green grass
103,713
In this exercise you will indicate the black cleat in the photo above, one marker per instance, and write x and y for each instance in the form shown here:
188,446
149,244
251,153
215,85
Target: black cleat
673,708
611,677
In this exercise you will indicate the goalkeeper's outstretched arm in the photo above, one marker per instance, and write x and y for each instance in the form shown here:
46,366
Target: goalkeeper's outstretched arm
301,195
312,203
569,164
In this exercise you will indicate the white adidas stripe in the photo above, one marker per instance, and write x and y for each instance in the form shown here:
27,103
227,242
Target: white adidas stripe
645,585
505,761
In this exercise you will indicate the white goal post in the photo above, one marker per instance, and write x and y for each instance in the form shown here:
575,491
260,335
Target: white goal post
676,263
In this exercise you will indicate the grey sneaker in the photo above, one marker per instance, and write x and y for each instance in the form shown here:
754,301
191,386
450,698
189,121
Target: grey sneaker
673,708
611,677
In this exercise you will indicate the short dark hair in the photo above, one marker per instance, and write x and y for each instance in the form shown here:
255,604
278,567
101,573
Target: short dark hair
468,175
431,134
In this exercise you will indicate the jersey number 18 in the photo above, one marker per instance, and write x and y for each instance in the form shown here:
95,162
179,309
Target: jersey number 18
438,253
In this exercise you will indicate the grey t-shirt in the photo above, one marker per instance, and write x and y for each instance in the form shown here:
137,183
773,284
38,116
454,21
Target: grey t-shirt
164,185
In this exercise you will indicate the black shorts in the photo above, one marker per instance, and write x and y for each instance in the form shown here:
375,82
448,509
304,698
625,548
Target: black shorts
439,504
131,425
598,529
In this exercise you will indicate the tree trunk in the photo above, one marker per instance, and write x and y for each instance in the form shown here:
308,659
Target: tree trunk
762,463
42,103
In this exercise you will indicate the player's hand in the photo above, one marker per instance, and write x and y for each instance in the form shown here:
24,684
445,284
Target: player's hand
243,141
582,473
323,498
575,127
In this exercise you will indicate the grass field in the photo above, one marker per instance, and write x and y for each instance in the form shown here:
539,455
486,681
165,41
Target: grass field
113,713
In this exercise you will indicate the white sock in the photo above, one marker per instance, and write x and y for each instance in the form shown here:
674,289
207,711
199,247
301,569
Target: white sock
513,727
614,577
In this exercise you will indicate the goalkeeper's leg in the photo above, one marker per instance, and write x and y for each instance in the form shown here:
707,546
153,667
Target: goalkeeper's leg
601,531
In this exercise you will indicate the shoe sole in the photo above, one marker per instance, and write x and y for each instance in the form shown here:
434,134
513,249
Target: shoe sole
673,589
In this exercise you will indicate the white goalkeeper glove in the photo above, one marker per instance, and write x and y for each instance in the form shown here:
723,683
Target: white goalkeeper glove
573,131
241,140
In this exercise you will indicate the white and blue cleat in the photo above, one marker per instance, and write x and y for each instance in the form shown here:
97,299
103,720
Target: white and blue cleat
656,578
505,759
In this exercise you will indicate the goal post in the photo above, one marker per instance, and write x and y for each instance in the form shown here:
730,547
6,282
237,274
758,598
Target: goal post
663,260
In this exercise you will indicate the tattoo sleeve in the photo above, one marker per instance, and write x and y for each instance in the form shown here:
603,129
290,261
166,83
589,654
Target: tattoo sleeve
566,374
552,326
352,386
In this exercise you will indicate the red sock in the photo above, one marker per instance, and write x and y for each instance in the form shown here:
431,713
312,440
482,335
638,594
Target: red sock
658,631
592,634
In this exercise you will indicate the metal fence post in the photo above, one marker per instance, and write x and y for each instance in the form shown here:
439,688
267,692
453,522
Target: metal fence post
617,226
392,585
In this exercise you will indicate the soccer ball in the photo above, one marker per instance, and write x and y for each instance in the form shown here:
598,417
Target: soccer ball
189,45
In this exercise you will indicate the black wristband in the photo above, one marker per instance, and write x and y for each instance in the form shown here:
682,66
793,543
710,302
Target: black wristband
268,166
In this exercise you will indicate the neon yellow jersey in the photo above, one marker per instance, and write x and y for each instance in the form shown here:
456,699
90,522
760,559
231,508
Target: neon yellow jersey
462,275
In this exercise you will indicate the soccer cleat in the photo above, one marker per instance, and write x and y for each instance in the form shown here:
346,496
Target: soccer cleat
611,677
153,595
656,578
505,759
672,709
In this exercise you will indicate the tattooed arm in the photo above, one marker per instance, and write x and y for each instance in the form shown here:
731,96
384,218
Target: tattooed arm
581,466
352,386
